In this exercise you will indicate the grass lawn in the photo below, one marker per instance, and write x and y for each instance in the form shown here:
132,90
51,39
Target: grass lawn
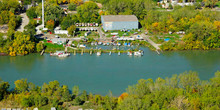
53,47
93,34
159,38
62,35
218,4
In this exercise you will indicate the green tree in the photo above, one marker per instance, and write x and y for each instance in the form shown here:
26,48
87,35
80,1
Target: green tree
67,22
75,90
65,93
71,30
4,86
87,11
40,46
31,13
72,7
21,86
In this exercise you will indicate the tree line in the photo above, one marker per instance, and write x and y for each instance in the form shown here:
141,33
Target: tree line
184,91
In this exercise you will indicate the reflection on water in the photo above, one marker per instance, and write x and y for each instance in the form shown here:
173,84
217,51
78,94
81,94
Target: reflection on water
22,64
99,74
202,61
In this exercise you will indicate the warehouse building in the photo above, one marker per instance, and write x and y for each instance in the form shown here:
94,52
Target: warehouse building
119,22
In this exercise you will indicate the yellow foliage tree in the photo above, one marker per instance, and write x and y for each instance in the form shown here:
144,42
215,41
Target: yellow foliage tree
217,24
122,97
75,1
21,45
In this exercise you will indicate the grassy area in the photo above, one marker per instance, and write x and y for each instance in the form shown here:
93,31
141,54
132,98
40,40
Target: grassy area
218,4
159,38
53,47
120,33
62,35
93,34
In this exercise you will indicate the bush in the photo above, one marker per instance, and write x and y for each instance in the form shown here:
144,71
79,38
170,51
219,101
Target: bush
72,7
31,13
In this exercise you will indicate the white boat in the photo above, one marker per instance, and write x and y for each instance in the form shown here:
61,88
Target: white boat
82,46
98,53
119,53
99,43
64,55
56,53
139,53
129,53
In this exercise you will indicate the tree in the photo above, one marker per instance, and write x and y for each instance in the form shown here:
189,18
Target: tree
52,11
71,30
65,93
31,13
72,7
50,24
87,11
30,29
75,90
40,46
21,45
210,3
67,22
21,85
75,1
3,89
189,80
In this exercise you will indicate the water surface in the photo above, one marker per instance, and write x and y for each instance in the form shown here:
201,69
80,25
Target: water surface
99,74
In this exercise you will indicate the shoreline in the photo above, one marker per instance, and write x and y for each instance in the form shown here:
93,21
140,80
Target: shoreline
79,50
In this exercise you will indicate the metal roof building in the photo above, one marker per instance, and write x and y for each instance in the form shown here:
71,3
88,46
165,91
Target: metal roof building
119,22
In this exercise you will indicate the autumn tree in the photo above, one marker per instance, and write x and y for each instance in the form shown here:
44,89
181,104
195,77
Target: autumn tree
21,85
75,1
39,46
71,30
21,45
50,24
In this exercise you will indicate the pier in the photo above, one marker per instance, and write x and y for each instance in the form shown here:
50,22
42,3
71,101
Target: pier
156,46
42,52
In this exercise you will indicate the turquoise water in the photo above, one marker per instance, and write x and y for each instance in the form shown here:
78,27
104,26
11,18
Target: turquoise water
101,74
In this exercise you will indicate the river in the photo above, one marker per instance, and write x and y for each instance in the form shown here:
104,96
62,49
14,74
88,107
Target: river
99,74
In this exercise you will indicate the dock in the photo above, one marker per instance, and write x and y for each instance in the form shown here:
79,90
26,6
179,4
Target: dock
42,52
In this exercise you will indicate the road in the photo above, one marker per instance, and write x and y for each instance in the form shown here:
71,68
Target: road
151,42
101,33
25,21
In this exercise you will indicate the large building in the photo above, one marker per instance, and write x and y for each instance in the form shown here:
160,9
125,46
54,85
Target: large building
119,22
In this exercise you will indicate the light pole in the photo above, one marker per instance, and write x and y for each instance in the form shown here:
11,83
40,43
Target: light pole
43,13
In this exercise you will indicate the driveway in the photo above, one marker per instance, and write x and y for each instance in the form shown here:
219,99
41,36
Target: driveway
25,21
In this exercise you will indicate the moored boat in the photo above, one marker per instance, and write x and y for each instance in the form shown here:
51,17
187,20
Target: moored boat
56,53
98,53
64,55
82,46
139,53
129,53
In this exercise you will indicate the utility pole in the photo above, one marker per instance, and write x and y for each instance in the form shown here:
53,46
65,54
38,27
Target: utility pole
43,13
